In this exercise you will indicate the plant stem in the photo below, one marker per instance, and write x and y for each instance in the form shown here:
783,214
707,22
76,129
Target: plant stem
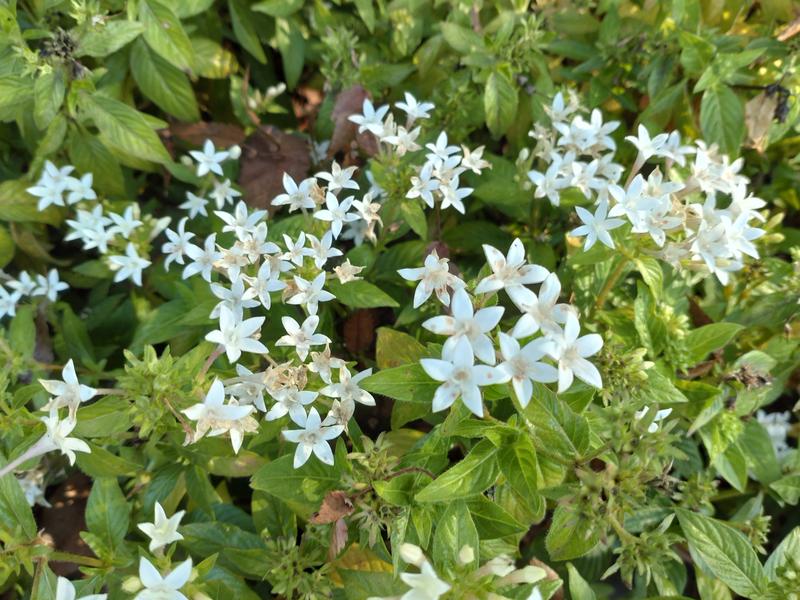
215,354
611,281
621,532
78,559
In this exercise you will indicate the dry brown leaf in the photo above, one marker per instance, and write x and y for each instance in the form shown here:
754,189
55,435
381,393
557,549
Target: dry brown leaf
758,115
266,155
338,539
336,505
349,102
222,134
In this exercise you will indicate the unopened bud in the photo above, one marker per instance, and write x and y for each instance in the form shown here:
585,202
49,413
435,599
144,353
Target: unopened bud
412,554
131,585
235,151
466,555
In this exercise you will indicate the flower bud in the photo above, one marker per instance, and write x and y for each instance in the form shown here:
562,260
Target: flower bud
412,554
131,585
235,152
466,555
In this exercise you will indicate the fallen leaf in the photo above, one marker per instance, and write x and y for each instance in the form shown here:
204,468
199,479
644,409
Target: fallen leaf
266,155
338,539
222,134
337,504
758,115
349,102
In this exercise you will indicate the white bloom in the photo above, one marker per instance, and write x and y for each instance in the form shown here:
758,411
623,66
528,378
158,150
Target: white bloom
240,222
70,392
550,183
8,302
313,438
291,401
237,335
128,266
423,185
659,416
434,276
90,228
215,418
125,223
403,140
203,259
49,286
424,585
523,366
178,243
157,587
196,205
571,352
248,388
233,299
209,160
509,272
440,151
80,189
542,311
24,284
473,160
65,590
336,213
57,437
322,249
415,110
224,193
596,226
322,363
302,337
467,324
310,293
461,378
265,282
347,390
370,119
338,178
452,195
297,196
162,531
646,145
51,185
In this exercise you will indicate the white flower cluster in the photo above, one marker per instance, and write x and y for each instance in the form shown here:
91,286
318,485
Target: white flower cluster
438,177
469,331
777,425
24,286
255,269
675,205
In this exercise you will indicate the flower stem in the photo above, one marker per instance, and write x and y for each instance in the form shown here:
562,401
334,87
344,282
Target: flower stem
611,281
78,559
215,354
40,447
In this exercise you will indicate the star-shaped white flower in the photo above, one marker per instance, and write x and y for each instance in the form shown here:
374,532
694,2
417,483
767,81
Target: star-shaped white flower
524,367
313,438
196,205
224,193
467,324
127,222
209,160
434,276
65,590
157,587
215,418
370,119
541,311
291,401
80,189
236,335
263,284
571,352
336,213
297,196
310,293
646,145
347,389
129,266
302,337
203,259
338,178
241,222
414,109
57,436
322,363
509,272
596,226
178,243
162,531
70,392
49,286
461,378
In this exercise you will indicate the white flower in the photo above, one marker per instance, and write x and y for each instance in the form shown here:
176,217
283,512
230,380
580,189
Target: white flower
452,195
659,416
542,311
509,272
646,145
49,286
128,266
163,588
347,272
424,585
214,417
523,366
51,185
291,401
298,197
310,293
467,324
473,160
302,337
24,284
434,276
336,213
322,249
125,223
558,111
551,182
415,110
203,259
8,302
236,335
265,282
347,390
248,388
70,392
90,228
196,205
596,226
322,363
313,438
162,531
57,437
209,160
403,140
571,352
233,299
178,243
65,590
338,178
370,119
424,184
440,151
224,193
461,378
240,222
80,189
778,426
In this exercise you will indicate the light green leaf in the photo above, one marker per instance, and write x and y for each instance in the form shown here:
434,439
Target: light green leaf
108,38
211,60
408,383
48,96
519,466
651,272
360,294
15,94
394,348
107,512
722,118
17,205
6,247
572,534
471,476
292,46
788,488
22,332
414,215
726,552
786,552
499,102
578,588
89,155
278,8
454,530
16,517
105,417
702,341
162,83
461,39
165,34
245,30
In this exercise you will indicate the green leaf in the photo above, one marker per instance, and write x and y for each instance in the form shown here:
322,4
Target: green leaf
785,554
89,155
106,417
572,534
366,11
722,119
499,102
492,520
788,488
211,60
476,472
162,83
6,247
726,552
414,215
578,588
245,30
102,463
394,348
108,38
461,39
559,431
760,452
16,516
519,466
164,33
278,8
702,341
651,272
124,128
16,93
454,530
360,294
409,383
292,46
48,96
107,512
17,205
22,332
